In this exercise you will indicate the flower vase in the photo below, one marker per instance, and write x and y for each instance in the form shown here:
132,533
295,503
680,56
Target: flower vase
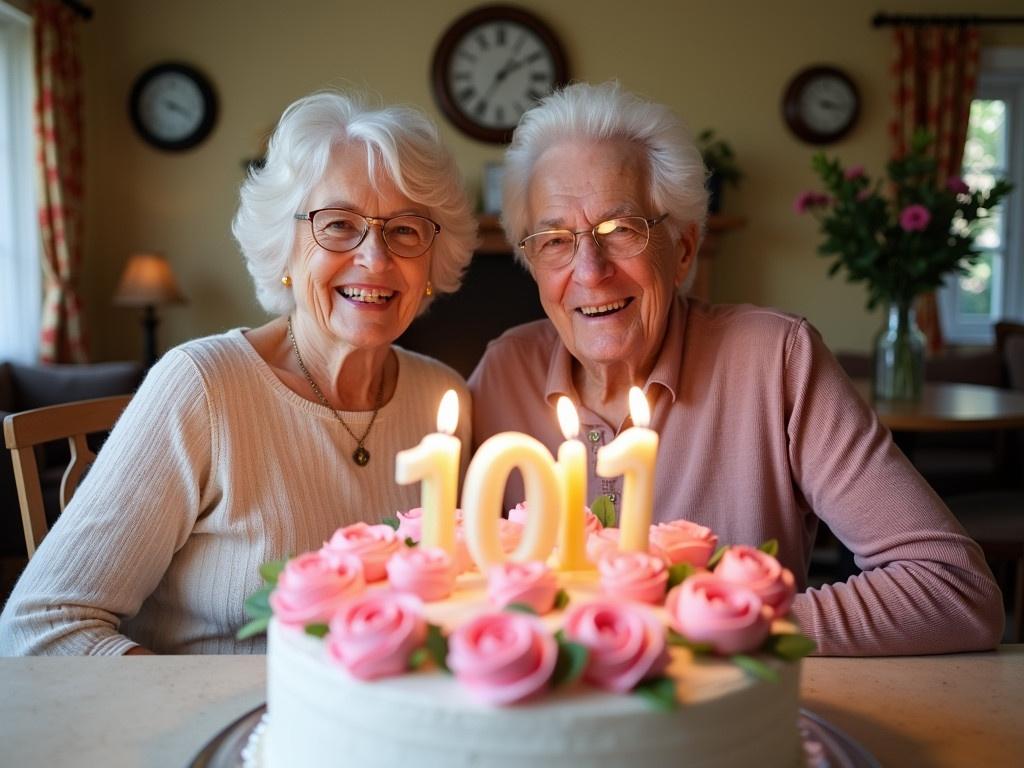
899,355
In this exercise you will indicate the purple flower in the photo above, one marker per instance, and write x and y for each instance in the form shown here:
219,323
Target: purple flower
957,186
914,218
809,200
853,172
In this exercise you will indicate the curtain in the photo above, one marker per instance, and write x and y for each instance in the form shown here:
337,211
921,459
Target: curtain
936,70
59,169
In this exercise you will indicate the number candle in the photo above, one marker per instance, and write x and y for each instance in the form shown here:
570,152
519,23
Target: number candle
572,472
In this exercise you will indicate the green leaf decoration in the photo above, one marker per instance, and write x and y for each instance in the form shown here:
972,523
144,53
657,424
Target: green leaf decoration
755,668
681,641
257,605
790,647
253,628
391,522
437,647
679,573
770,547
411,542
270,571
659,693
520,608
716,557
418,657
317,630
572,660
561,600
604,510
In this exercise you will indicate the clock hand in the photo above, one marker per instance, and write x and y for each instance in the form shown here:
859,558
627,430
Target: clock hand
176,107
510,66
829,104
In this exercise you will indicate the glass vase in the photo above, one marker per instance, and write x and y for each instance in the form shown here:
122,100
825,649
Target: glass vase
899,355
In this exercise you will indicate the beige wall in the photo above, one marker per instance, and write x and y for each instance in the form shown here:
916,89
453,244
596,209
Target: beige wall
720,64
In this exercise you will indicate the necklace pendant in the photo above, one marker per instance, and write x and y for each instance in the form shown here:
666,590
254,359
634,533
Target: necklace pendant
361,456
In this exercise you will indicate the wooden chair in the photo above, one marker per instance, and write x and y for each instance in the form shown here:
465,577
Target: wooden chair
71,421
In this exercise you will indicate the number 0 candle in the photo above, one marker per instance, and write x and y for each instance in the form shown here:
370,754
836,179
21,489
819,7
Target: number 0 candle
572,472
633,454
435,462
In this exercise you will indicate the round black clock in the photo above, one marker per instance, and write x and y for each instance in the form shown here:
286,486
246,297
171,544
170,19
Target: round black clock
821,104
492,65
173,106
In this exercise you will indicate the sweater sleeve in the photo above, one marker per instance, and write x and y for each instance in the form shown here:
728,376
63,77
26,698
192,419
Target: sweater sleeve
136,507
924,586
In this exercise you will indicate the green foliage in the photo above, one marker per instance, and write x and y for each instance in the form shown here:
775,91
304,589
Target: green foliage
681,641
520,608
561,600
391,522
679,573
862,232
659,692
437,647
718,157
755,667
790,647
770,547
572,660
317,630
716,557
604,510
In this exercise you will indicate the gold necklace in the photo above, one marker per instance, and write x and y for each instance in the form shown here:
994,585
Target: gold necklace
360,455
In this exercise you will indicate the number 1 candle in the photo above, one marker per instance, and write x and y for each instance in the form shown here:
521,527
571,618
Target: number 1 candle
435,462
572,472
633,454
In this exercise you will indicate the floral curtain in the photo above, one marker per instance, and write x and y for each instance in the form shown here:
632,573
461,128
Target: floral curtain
59,163
936,70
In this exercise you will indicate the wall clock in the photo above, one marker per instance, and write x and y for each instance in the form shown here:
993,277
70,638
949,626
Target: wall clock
173,106
820,104
491,65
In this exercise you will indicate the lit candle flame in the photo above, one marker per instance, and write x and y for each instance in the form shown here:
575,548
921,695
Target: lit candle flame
639,411
568,419
448,413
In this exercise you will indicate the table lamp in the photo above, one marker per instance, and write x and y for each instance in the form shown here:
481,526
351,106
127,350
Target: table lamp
147,281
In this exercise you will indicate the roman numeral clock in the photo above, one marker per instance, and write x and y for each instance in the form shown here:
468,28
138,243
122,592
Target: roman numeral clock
491,65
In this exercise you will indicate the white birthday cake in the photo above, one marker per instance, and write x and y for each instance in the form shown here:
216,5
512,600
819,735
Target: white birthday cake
383,653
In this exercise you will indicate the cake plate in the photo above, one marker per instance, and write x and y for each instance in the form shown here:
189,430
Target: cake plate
825,746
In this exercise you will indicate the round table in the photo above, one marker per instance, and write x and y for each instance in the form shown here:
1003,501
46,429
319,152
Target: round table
947,407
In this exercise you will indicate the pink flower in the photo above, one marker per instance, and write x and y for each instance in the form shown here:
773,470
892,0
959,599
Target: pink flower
410,524
634,576
509,534
532,584
311,588
681,541
427,572
762,573
730,617
373,544
914,218
601,543
853,172
590,522
502,657
626,643
373,635
957,186
809,200
519,513
463,558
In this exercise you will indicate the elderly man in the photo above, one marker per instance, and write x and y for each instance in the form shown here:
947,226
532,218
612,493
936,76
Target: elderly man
761,432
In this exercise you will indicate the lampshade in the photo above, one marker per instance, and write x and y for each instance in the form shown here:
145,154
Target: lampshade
147,280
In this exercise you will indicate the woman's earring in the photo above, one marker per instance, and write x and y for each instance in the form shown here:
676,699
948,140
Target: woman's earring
286,281
429,290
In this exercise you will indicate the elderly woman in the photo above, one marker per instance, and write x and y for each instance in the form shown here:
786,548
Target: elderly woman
761,432
255,444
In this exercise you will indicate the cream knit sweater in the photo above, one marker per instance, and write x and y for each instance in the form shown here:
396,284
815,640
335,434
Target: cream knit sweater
215,468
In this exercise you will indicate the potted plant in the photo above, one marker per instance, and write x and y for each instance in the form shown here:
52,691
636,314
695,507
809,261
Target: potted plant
901,242
721,164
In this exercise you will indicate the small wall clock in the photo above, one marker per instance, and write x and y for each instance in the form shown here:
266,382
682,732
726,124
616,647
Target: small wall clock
173,106
491,65
821,104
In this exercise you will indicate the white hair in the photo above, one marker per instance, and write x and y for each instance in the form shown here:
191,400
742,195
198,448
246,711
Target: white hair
586,112
401,141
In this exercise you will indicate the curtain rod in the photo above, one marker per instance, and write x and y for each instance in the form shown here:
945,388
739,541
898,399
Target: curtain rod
80,8
904,20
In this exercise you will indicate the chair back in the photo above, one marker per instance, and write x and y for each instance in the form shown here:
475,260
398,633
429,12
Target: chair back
69,421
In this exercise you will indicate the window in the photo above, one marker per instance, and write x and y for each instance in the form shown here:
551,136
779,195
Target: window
20,272
994,289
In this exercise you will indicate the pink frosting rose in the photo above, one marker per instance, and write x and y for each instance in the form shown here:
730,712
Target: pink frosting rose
502,657
509,534
410,524
532,584
590,522
762,573
427,572
519,513
463,559
730,617
601,543
626,643
311,588
634,576
373,635
373,544
681,541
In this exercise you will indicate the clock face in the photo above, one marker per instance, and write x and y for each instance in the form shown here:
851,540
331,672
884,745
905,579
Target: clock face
821,104
491,66
173,107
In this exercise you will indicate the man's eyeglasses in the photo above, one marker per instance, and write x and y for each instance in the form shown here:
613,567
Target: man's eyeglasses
620,238
335,229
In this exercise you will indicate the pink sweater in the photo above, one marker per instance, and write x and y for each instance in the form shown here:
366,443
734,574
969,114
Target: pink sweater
761,435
